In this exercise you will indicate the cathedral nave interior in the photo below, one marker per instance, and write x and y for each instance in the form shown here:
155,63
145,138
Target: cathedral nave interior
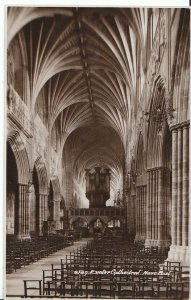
98,151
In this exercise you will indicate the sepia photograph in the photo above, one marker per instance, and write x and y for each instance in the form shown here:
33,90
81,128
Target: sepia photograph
97,152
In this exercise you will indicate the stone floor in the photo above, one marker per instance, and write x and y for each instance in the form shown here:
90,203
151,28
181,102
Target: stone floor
14,281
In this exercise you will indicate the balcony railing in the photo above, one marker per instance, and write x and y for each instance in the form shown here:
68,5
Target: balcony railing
97,212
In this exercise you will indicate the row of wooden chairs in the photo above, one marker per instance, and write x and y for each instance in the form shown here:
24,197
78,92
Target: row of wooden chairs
71,271
23,252
107,289
74,277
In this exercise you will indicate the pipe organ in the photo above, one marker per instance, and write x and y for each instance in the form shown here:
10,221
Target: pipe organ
97,187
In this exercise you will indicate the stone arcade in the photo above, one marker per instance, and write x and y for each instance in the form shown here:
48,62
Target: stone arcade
92,88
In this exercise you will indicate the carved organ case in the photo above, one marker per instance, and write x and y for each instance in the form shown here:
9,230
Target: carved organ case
97,187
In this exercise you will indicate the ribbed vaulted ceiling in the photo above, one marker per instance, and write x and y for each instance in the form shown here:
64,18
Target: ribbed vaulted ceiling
84,64
95,146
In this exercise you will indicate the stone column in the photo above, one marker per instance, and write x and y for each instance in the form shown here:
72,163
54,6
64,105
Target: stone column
164,198
160,206
141,212
153,206
32,204
137,208
157,210
180,193
148,209
174,188
27,213
179,188
133,216
57,213
131,213
43,211
185,195
145,211
185,186
23,212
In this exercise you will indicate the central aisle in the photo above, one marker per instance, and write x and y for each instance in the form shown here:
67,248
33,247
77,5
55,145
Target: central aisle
14,281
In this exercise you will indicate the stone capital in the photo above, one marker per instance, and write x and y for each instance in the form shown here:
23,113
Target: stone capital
175,127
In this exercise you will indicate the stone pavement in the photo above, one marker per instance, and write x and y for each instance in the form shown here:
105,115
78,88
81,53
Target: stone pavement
14,281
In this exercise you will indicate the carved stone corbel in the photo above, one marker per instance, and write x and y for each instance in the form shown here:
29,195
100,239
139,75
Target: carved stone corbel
169,107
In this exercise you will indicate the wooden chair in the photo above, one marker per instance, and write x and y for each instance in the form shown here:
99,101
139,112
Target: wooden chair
32,285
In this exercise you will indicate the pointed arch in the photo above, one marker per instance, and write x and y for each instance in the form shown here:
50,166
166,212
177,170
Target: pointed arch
77,219
181,68
21,156
157,125
18,17
42,175
94,219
